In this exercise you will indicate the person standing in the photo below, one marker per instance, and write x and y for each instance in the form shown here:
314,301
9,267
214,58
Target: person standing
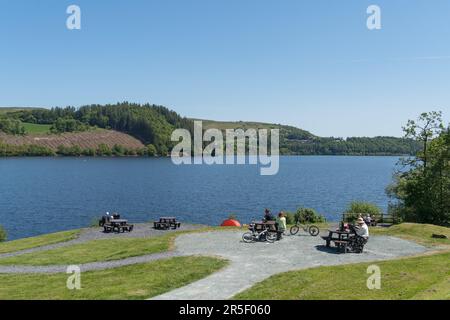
281,225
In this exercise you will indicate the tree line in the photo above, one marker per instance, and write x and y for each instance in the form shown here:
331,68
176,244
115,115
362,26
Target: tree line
421,188
153,125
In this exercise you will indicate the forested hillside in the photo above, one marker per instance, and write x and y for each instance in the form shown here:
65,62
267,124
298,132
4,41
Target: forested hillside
152,125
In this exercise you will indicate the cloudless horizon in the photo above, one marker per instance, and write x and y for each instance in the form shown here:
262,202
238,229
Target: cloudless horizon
310,64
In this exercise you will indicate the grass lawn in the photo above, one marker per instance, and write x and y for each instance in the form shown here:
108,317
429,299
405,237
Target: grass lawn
140,281
33,128
92,251
102,250
420,233
425,277
28,243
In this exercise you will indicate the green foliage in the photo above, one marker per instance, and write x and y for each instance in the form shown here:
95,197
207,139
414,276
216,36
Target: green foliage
422,191
62,125
7,150
308,215
2,234
363,208
295,141
11,126
290,217
153,124
151,150
104,150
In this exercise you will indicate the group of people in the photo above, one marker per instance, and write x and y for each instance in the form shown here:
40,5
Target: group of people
361,227
280,222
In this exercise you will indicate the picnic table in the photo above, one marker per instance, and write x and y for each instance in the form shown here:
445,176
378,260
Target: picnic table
166,223
263,225
118,225
340,238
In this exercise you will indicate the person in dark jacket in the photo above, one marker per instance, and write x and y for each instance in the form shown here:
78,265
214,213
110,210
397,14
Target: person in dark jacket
268,216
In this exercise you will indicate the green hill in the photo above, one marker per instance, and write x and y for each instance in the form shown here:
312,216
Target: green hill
153,125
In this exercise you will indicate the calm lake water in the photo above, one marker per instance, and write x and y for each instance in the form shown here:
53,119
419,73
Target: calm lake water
41,195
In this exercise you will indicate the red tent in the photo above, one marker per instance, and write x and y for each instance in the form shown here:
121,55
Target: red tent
230,223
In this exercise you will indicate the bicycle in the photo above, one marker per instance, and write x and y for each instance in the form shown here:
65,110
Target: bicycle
256,235
311,229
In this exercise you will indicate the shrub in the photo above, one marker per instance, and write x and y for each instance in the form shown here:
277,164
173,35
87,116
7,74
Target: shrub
118,150
290,217
308,215
11,126
151,150
357,208
103,150
2,234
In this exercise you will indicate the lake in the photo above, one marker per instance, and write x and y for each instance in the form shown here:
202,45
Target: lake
41,195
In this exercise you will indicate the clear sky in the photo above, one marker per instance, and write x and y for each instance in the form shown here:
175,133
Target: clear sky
312,64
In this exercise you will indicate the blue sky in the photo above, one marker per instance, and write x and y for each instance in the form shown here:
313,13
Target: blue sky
312,64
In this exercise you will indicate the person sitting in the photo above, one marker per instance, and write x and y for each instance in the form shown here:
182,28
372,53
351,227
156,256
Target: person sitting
362,229
267,216
281,225
368,220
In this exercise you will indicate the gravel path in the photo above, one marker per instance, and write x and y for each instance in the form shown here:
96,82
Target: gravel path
251,263
89,266
141,230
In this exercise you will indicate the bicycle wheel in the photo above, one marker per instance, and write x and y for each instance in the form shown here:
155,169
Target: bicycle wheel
294,230
313,230
248,237
271,237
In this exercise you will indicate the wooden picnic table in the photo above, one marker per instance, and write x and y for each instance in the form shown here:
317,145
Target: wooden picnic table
340,238
118,222
261,225
166,223
118,225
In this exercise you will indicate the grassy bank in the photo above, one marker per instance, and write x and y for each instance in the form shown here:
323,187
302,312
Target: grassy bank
420,233
101,250
426,277
47,239
92,251
139,281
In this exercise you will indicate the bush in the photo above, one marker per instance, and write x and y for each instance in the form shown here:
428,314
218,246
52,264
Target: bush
357,208
151,150
2,234
290,217
67,125
11,126
307,215
103,150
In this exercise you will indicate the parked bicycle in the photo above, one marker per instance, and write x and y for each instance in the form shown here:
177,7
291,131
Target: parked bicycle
258,235
311,229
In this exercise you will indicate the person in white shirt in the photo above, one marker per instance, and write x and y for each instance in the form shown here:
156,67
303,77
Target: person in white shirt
362,229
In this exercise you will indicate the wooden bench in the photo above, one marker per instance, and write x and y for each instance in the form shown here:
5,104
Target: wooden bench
341,245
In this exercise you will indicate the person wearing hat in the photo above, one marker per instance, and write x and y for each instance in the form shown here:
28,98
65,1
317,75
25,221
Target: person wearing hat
362,229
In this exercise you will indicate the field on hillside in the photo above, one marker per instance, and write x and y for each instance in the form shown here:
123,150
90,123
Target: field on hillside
33,128
87,139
